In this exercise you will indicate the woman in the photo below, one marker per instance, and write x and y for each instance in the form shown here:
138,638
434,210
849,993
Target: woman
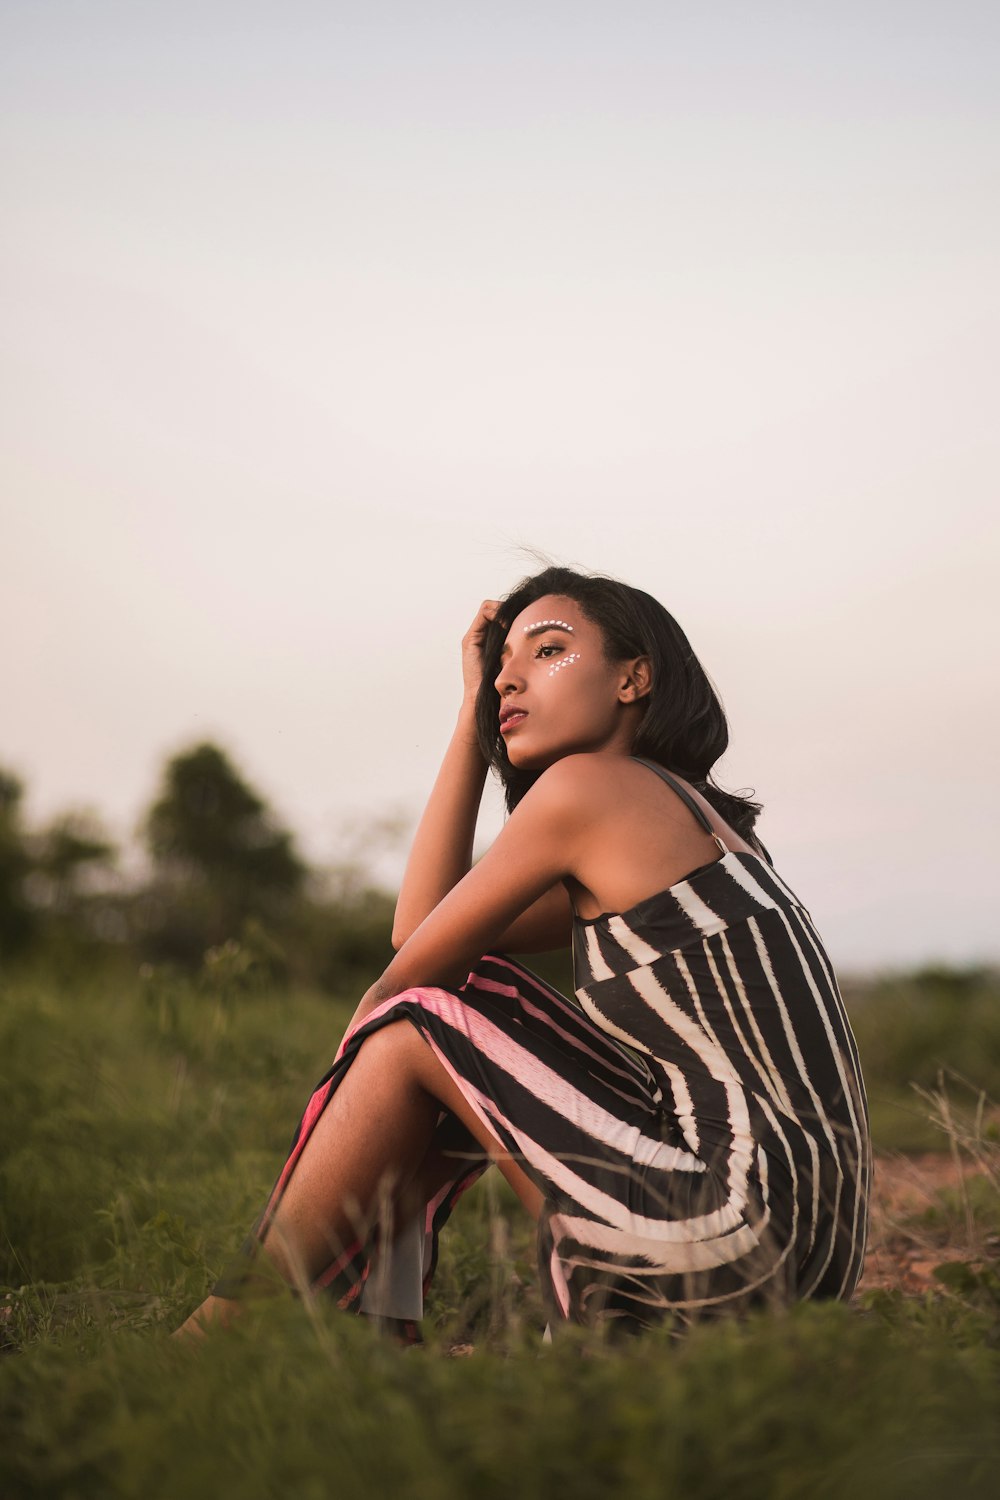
691,1134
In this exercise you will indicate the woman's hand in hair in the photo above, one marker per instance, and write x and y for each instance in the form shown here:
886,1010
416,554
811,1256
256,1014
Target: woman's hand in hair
472,648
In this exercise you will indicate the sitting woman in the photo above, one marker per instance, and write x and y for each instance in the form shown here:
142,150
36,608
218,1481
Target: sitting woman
690,1132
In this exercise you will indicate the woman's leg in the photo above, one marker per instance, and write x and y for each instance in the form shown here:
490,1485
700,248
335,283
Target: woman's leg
371,1141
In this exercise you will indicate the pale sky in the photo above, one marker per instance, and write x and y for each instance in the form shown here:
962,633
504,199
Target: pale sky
315,315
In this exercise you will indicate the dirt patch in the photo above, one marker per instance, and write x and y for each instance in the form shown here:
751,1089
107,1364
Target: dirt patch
903,1247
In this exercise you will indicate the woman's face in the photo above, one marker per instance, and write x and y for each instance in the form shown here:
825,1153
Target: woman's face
558,693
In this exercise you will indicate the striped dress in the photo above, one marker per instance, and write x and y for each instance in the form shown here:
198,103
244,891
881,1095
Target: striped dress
696,1119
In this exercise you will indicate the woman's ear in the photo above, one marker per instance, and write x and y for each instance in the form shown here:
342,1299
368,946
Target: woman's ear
636,681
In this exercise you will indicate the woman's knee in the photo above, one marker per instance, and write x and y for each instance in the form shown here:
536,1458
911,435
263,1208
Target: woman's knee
393,1036
397,1051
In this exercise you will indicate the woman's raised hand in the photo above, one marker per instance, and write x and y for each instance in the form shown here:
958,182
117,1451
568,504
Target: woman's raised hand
472,648
441,854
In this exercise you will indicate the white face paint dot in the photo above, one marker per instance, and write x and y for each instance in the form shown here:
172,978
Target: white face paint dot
544,625
567,661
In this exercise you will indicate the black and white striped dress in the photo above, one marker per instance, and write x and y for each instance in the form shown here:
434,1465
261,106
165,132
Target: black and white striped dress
696,1118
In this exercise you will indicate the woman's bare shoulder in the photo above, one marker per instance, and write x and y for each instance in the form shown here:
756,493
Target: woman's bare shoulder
591,775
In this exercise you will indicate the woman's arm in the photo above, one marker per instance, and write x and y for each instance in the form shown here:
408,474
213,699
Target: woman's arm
538,846
442,845
441,854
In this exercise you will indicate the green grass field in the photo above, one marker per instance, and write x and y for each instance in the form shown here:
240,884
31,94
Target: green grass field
141,1123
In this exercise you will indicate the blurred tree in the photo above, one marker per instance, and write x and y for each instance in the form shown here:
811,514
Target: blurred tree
65,857
219,854
208,822
17,923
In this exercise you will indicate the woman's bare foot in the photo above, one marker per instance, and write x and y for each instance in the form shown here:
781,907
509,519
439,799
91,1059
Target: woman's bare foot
218,1310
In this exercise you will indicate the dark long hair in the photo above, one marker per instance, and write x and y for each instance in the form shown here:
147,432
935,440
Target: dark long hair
684,725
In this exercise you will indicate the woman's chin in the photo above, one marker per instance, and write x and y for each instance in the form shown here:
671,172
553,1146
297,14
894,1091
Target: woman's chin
531,758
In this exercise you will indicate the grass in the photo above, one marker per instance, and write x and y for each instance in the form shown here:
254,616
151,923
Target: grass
909,1028
141,1124
822,1403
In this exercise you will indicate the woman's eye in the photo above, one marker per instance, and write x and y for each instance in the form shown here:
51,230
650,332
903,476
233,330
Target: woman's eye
549,647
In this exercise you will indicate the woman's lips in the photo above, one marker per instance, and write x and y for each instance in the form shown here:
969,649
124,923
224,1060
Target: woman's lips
510,721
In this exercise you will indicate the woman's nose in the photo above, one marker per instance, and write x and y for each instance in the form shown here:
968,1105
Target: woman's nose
506,679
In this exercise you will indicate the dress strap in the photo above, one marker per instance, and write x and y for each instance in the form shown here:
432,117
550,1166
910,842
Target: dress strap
684,795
